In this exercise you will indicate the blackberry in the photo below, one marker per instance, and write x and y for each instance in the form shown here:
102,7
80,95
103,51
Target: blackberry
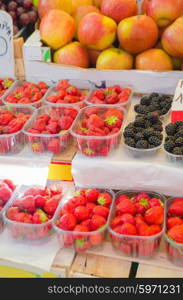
142,144
153,140
169,145
150,146
140,109
158,127
170,138
147,124
179,134
145,100
138,129
139,122
179,124
151,108
152,118
157,134
179,141
130,142
129,133
152,95
129,126
177,151
164,111
170,129
148,132
138,136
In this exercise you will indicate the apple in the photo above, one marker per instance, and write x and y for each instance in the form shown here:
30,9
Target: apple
96,31
45,5
97,3
57,28
119,9
172,40
78,3
154,60
73,54
114,59
164,12
137,34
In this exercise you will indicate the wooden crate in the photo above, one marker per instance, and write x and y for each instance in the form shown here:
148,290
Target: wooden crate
145,271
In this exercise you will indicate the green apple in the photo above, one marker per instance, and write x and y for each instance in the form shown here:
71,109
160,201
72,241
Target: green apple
35,2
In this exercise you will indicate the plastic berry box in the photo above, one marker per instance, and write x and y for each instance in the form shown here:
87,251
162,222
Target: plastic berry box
174,250
136,246
5,92
31,232
142,153
83,85
110,83
19,84
173,158
93,146
51,143
14,142
82,241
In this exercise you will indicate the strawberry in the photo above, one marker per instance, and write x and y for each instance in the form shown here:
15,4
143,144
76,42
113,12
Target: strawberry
90,206
5,193
52,204
146,249
176,233
38,147
117,221
81,228
67,222
114,112
142,196
121,198
176,209
87,223
153,229
81,213
177,200
155,202
67,208
96,239
70,112
39,201
97,222
101,211
125,248
91,111
19,217
95,121
65,122
154,215
62,84
78,200
9,183
104,199
39,217
12,212
54,145
28,204
104,151
28,218
92,195
142,228
99,94
142,205
125,206
173,221
127,229
89,152
34,192
112,122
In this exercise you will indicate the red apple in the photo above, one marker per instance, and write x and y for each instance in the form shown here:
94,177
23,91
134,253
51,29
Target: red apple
119,9
45,5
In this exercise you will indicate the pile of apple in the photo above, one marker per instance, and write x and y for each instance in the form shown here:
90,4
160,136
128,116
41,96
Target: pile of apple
108,34
82,218
137,221
35,207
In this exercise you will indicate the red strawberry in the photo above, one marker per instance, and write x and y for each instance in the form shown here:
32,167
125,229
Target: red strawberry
142,205
117,221
89,152
34,192
19,217
101,211
96,239
176,209
52,204
153,229
112,99
97,222
114,112
67,222
39,217
142,196
125,248
127,229
142,228
125,206
104,151
54,145
86,223
40,125
99,94
62,84
95,121
81,213
176,233
178,200
5,193
68,208
91,111
121,198
173,221
28,218
78,200
91,195
104,199
65,122
9,183
90,207
154,215
28,204
38,147
40,201
12,212
81,228
155,202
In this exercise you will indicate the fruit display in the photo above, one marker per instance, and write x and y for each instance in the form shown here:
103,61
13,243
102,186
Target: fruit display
26,93
29,217
174,231
83,219
68,92
122,38
137,223
154,103
5,84
48,129
112,94
143,137
98,130
7,188
12,122
174,141
22,12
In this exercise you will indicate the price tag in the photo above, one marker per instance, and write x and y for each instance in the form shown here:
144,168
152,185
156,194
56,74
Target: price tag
177,106
7,67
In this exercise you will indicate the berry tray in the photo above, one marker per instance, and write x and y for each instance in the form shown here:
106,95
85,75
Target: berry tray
126,96
25,230
5,85
173,158
134,245
81,85
11,143
98,144
82,241
23,96
47,142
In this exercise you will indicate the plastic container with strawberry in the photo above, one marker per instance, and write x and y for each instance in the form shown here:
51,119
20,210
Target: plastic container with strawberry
48,129
82,220
12,122
137,223
69,92
98,130
5,84
113,93
30,212
26,93
174,231
7,188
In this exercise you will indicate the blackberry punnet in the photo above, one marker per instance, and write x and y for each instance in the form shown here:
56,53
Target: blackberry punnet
174,139
179,141
169,145
153,140
138,136
170,129
142,144
129,133
178,151
130,142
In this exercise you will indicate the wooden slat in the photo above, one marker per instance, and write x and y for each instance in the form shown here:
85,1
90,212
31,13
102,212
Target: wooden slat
145,271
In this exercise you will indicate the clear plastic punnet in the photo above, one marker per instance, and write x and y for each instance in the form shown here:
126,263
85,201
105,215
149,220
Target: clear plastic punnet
173,158
82,241
14,142
5,92
83,85
28,231
51,143
110,83
142,153
97,145
136,246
